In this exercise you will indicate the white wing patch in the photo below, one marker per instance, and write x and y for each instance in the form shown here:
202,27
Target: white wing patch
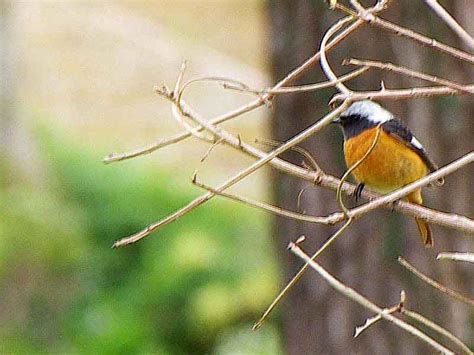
416,143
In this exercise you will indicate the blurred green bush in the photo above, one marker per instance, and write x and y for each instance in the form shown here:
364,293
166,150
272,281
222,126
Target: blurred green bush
195,286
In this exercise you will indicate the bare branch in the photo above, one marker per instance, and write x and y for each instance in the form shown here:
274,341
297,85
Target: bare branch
233,141
402,192
293,75
300,88
358,298
468,257
404,32
299,274
401,308
333,219
401,94
435,327
435,284
451,22
409,72
323,60
372,320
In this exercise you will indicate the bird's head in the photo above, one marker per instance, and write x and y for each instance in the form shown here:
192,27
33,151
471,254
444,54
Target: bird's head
362,115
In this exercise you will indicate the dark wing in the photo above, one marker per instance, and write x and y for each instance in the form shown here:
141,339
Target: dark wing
400,132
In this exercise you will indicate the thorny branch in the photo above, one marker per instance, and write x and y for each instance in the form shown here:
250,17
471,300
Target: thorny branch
208,131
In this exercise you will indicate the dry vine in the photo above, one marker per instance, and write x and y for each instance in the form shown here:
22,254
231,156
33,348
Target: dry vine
209,131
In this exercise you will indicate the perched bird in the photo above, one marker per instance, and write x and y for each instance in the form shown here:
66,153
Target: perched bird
397,159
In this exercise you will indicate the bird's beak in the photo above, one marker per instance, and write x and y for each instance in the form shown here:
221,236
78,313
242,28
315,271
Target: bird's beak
336,121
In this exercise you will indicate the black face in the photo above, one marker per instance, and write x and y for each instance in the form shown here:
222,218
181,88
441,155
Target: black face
354,124
347,120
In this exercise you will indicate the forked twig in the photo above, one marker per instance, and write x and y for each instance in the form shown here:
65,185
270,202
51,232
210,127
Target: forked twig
331,240
372,320
401,308
358,298
293,75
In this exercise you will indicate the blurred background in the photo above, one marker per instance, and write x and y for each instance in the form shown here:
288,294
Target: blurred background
77,84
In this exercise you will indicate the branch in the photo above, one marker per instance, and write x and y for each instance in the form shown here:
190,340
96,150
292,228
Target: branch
358,298
300,88
323,60
401,94
435,327
236,143
435,284
463,223
293,75
404,32
468,257
299,274
330,220
451,22
409,72
401,308
372,320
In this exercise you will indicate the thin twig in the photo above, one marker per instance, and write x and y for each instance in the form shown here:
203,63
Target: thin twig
370,18
409,72
229,139
468,257
435,284
436,217
307,155
210,149
451,22
401,94
372,320
293,75
270,208
401,308
352,168
435,327
358,298
299,274
299,88
323,60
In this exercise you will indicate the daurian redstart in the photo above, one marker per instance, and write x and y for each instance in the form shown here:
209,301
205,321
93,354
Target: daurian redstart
397,159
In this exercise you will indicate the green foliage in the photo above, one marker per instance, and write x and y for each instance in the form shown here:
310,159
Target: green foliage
65,290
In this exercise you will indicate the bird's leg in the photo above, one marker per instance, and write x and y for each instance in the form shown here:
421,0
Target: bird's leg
358,191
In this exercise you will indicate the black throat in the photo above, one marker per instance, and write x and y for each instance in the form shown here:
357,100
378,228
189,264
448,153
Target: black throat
353,125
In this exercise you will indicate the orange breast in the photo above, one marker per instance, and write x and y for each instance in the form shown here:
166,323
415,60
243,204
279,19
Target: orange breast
389,166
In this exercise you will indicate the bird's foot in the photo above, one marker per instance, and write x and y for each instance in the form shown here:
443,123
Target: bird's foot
358,191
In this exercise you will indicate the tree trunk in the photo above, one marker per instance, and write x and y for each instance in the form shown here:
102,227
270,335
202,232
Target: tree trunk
315,318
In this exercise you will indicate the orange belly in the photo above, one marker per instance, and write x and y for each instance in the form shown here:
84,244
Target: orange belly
389,166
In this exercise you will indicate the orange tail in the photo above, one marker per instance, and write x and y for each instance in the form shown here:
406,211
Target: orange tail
423,227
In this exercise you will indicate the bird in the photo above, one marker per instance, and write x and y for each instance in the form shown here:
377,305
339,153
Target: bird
397,159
